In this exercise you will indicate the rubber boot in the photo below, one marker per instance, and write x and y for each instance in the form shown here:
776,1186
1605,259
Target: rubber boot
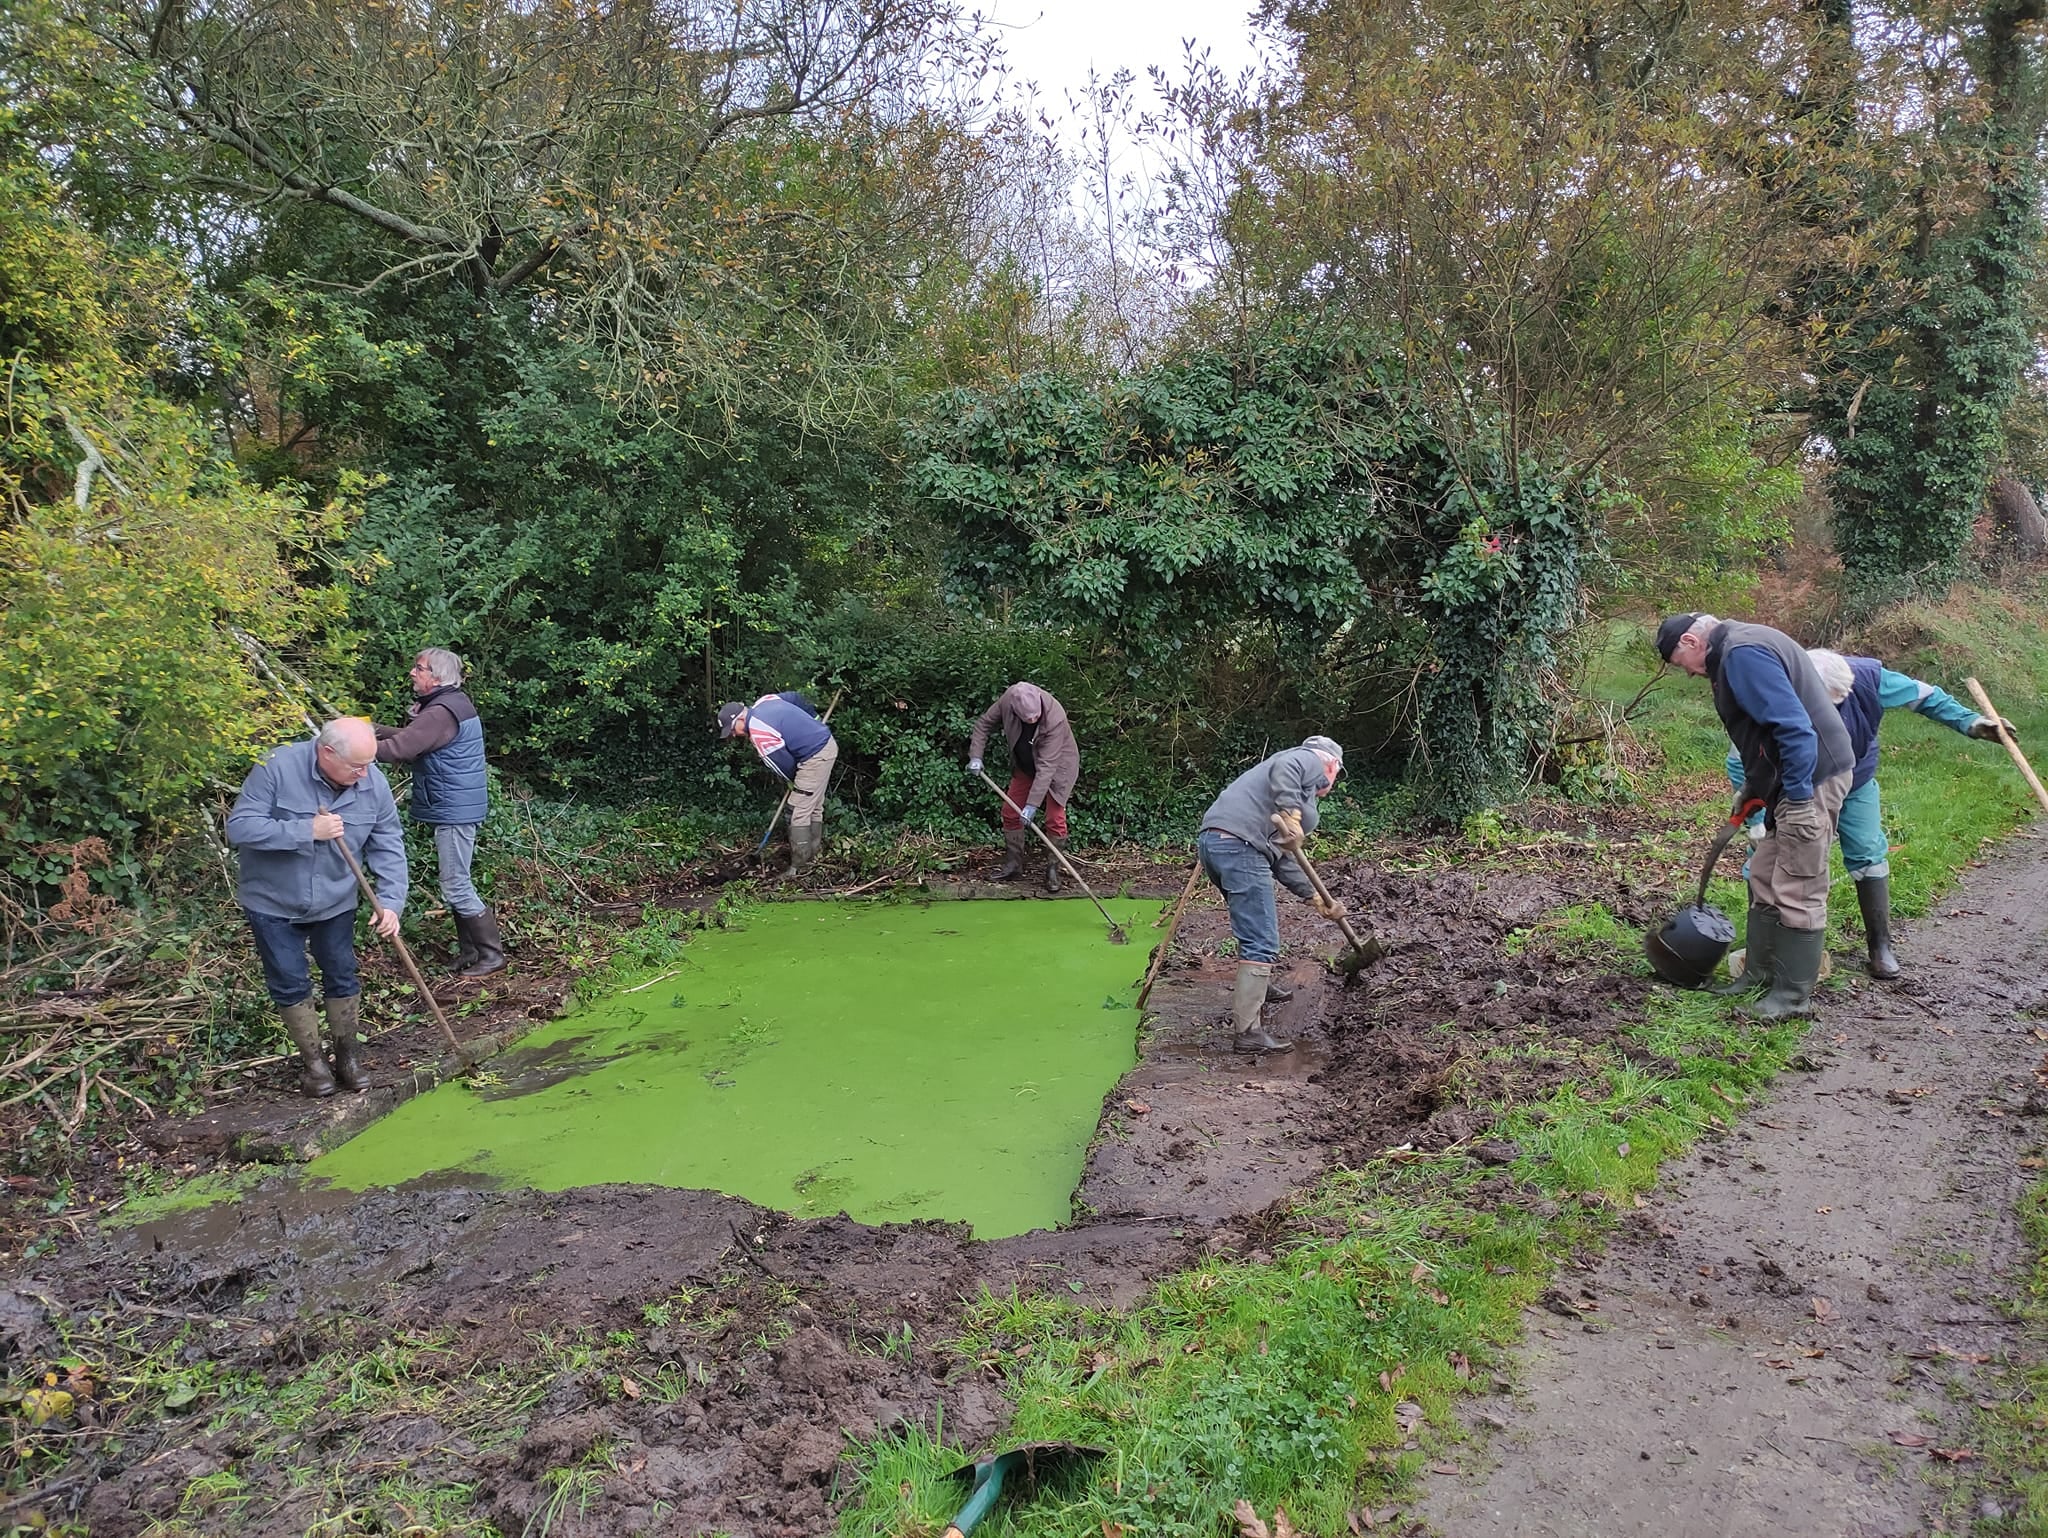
1052,865
344,1022
302,1024
465,945
804,843
1761,944
1245,1006
1013,854
1874,897
487,942
1796,971
1278,992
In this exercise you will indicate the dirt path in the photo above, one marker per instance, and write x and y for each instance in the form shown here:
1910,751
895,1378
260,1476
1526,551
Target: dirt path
1803,1289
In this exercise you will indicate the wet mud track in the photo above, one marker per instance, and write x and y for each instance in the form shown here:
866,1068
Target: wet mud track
782,1338
1809,1303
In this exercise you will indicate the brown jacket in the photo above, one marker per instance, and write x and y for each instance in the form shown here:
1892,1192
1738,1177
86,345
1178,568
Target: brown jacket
1055,756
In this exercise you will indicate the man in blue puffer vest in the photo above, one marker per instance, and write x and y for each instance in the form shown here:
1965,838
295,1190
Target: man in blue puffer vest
1863,689
798,747
443,740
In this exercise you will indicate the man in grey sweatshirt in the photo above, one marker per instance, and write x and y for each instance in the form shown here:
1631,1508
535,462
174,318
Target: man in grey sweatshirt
1248,835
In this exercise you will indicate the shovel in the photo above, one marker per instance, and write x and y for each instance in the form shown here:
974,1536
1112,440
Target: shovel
1116,930
1363,952
1037,1462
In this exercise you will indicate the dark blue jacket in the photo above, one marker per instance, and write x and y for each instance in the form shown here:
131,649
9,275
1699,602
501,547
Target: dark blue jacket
1777,712
444,743
785,731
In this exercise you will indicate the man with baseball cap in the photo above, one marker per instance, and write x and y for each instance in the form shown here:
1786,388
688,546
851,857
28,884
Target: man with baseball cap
797,747
1248,839
1796,759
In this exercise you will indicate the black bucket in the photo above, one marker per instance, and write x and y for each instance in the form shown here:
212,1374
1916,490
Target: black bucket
1687,949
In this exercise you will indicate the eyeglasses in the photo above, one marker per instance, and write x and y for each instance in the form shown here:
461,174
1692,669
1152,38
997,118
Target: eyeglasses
346,762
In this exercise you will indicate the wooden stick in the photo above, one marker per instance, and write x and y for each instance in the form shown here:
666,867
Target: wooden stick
1116,930
790,789
1361,956
1998,724
398,941
1172,921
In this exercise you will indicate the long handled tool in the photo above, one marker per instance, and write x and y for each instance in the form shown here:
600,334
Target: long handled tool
398,942
1116,930
1172,922
1036,1463
790,789
1363,952
1984,704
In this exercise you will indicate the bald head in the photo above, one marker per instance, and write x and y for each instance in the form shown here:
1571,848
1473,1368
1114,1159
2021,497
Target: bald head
347,748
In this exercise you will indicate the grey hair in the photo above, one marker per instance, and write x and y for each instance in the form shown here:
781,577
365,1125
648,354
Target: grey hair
344,732
442,665
1835,675
1702,626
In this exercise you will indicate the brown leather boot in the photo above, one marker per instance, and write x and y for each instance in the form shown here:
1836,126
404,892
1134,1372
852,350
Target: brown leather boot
302,1024
345,1020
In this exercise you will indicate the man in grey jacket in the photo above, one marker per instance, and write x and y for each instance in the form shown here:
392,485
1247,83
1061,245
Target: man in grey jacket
1247,842
298,893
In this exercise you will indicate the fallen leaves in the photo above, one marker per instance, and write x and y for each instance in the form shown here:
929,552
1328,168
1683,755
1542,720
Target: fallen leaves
1408,1415
1952,1454
1823,1309
1250,1524
1911,1439
1137,1108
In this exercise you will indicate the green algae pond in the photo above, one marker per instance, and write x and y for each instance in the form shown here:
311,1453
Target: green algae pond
889,1060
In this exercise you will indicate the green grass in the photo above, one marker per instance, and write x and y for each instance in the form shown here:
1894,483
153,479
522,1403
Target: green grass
1320,1379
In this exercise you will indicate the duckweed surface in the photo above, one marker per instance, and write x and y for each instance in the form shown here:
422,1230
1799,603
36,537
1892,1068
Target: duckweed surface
889,1060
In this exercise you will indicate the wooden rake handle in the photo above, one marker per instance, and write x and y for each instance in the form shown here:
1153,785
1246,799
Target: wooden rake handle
1172,922
398,942
1116,930
1998,725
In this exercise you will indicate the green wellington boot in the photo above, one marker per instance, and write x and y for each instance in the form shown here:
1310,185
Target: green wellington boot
1759,955
1874,898
1793,977
345,1021
302,1024
1013,854
1246,1003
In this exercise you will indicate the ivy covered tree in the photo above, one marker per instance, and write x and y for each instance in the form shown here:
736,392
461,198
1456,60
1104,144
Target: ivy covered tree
1929,326
1295,487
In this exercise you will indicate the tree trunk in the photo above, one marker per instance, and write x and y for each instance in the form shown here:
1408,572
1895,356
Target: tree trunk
2017,528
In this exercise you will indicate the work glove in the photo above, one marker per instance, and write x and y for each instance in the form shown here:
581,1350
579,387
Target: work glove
1328,907
1985,729
974,766
1028,813
1801,821
1287,829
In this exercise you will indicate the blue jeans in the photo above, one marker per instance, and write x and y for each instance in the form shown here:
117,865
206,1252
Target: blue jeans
1245,879
282,945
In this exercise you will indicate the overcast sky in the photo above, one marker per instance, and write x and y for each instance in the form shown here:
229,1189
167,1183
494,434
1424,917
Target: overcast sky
1055,41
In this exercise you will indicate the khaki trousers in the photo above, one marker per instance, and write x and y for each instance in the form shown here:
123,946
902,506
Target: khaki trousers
807,790
1791,874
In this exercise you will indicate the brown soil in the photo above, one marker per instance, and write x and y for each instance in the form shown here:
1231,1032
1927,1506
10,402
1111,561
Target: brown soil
1788,1337
793,1339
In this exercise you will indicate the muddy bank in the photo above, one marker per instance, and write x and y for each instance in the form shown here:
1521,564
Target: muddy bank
748,1346
1790,1335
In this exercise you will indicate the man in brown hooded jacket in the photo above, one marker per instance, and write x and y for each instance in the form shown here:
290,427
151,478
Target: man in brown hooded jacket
1045,762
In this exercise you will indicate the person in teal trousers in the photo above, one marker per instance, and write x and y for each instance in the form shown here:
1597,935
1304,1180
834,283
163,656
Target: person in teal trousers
1863,689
